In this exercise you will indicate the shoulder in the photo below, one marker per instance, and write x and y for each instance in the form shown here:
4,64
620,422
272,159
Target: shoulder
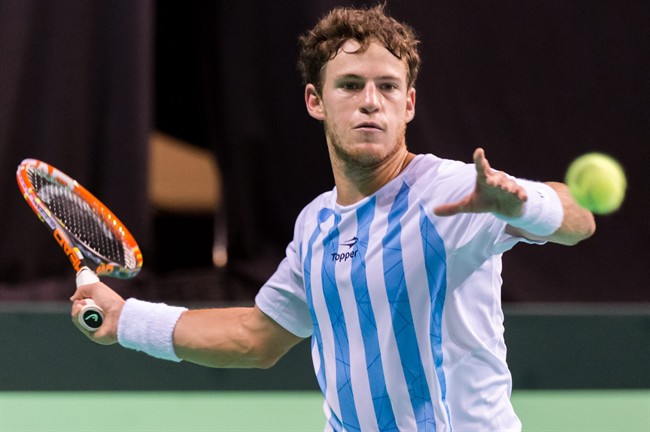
431,166
443,178
310,213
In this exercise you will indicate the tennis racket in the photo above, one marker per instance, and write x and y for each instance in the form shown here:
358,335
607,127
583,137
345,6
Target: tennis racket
92,237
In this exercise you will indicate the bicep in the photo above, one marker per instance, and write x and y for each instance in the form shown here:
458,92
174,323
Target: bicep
231,337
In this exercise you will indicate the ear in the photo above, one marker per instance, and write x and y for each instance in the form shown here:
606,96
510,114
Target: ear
410,104
314,103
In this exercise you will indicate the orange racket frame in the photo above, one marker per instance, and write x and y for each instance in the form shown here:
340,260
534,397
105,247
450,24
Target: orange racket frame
80,254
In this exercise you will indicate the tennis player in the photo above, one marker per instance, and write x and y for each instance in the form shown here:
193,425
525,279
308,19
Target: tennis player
395,274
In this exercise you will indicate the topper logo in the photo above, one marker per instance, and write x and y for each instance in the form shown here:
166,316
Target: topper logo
350,243
344,256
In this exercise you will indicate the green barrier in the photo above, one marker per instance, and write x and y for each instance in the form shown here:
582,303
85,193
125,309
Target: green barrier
549,347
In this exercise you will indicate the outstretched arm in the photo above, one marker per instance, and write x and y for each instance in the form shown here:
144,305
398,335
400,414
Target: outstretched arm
498,193
241,337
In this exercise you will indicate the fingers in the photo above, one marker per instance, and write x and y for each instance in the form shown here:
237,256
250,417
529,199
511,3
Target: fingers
478,156
495,178
481,162
78,300
105,298
485,175
447,210
106,334
465,205
515,189
451,209
81,293
495,192
77,307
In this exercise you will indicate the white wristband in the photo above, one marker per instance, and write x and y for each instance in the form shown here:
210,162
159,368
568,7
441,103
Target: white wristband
542,213
149,327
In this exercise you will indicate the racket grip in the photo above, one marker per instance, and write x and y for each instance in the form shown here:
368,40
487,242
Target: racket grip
86,276
91,316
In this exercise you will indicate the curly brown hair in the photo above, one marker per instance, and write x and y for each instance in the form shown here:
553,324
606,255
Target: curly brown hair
321,44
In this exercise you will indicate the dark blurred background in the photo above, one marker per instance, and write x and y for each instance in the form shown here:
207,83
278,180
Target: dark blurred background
88,86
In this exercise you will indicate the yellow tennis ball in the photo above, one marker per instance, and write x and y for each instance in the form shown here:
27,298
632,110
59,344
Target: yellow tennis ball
597,182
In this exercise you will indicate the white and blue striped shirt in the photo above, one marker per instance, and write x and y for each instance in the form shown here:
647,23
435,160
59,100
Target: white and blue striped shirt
403,306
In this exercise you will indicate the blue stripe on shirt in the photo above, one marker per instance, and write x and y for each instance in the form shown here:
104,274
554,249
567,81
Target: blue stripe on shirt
402,318
435,260
316,335
341,343
381,401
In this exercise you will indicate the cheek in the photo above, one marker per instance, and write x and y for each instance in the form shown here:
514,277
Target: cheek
400,117
331,125
335,118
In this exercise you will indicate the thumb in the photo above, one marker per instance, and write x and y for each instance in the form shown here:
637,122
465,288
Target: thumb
84,279
452,208
83,292
446,210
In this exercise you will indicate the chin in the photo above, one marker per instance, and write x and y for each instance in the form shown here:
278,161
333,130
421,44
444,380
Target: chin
366,154
358,152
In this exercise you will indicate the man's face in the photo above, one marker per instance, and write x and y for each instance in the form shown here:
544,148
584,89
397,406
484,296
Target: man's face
365,104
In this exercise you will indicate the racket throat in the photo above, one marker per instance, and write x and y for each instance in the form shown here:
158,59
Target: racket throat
74,255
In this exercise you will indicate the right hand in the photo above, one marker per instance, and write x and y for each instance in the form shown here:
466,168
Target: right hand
109,301
494,192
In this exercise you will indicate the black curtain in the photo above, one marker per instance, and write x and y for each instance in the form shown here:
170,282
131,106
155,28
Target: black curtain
536,83
75,91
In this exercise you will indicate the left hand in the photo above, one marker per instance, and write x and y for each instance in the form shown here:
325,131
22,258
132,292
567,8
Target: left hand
495,192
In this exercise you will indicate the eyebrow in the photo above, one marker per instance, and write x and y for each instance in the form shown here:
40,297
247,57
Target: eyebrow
359,77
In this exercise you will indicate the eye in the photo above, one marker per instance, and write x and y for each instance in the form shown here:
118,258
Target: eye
389,86
350,85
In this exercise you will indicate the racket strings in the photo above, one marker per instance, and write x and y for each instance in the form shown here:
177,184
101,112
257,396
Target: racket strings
81,219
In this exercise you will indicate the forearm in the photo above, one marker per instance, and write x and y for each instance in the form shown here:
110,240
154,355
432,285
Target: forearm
217,338
231,338
578,223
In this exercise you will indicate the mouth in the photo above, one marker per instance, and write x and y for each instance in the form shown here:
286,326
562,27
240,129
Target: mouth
369,126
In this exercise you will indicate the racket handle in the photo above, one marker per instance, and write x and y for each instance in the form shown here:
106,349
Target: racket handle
86,276
91,316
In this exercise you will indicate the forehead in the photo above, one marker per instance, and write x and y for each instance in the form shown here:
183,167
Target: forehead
375,61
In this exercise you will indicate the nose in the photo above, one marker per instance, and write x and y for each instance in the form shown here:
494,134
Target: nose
371,98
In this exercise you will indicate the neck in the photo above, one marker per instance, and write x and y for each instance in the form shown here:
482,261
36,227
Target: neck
355,181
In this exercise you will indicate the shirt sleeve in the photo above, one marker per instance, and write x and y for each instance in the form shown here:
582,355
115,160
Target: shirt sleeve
451,181
283,297
504,241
